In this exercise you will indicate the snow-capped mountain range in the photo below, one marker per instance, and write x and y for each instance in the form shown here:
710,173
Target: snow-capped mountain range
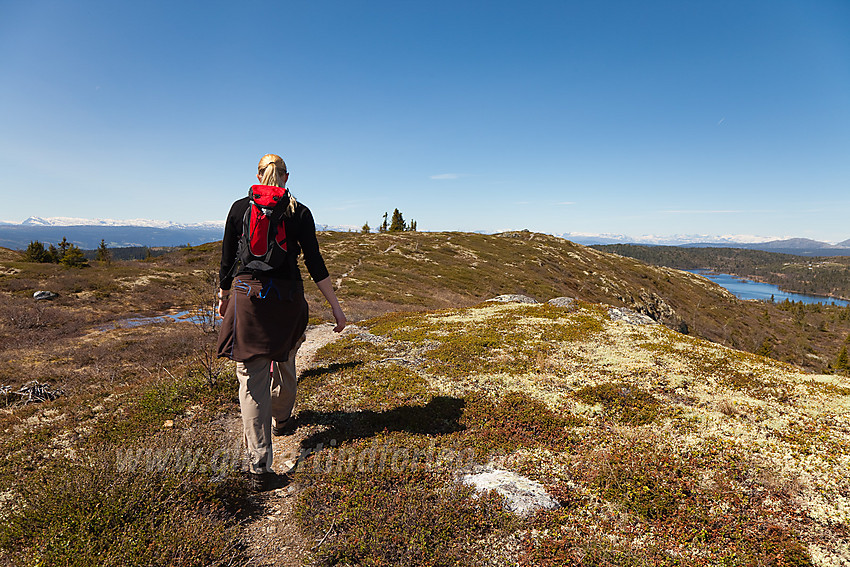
669,240
88,233
147,223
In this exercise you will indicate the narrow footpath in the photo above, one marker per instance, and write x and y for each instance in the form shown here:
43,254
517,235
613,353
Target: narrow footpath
272,535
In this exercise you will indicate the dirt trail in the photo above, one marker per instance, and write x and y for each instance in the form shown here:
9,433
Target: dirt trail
272,535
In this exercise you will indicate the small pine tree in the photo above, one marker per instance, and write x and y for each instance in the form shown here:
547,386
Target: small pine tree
383,226
412,226
36,253
103,254
397,223
766,348
73,257
842,364
63,248
365,228
53,254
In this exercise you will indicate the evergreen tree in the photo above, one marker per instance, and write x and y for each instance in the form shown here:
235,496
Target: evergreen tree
63,248
365,228
412,227
73,257
397,223
842,364
766,348
103,254
36,253
53,254
383,227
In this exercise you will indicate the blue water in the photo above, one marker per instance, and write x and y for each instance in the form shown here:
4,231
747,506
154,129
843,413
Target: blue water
187,316
747,289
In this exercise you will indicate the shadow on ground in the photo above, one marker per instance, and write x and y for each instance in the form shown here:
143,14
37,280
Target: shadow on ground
439,416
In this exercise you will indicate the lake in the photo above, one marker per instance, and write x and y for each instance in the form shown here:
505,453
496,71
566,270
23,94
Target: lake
747,289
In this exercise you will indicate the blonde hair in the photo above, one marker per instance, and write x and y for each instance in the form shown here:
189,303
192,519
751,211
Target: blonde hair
273,169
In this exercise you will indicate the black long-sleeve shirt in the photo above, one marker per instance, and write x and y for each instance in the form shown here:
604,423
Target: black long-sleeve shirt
301,236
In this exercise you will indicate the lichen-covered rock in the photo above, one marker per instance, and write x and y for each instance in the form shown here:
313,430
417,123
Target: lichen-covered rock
562,302
522,495
513,298
630,316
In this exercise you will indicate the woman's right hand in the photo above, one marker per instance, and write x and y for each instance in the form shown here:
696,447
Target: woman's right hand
339,316
222,305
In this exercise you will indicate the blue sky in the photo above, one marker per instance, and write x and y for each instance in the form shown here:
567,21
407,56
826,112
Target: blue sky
654,117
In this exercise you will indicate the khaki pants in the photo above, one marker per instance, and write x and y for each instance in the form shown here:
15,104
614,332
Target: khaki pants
266,398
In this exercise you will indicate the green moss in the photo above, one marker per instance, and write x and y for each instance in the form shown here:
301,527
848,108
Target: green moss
356,374
760,388
164,400
625,403
827,388
515,420
390,385
580,326
350,349
402,327
461,354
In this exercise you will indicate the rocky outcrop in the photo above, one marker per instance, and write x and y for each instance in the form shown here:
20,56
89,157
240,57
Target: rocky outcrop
652,305
522,495
630,316
567,302
513,298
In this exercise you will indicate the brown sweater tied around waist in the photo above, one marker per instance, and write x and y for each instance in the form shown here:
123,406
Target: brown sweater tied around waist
265,317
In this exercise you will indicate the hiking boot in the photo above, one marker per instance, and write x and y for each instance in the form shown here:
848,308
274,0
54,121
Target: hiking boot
266,481
287,427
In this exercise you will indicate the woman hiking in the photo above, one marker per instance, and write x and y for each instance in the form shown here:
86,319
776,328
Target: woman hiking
261,300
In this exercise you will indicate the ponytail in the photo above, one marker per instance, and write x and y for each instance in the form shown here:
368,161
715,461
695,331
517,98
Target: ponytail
272,174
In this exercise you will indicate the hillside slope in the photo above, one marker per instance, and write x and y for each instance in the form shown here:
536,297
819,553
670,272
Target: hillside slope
434,270
662,449
378,273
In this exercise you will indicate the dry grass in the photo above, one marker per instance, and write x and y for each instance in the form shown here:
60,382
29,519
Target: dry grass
662,448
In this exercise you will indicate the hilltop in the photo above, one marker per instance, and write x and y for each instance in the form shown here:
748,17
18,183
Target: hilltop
376,273
439,270
659,447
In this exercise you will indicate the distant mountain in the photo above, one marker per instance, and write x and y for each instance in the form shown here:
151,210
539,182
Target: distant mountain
669,240
139,223
787,244
87,233
796,246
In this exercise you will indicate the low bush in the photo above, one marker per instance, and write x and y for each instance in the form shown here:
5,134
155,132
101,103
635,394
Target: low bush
407,517
77,514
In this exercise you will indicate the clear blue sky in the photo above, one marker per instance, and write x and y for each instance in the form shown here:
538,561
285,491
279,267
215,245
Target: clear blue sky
654,117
